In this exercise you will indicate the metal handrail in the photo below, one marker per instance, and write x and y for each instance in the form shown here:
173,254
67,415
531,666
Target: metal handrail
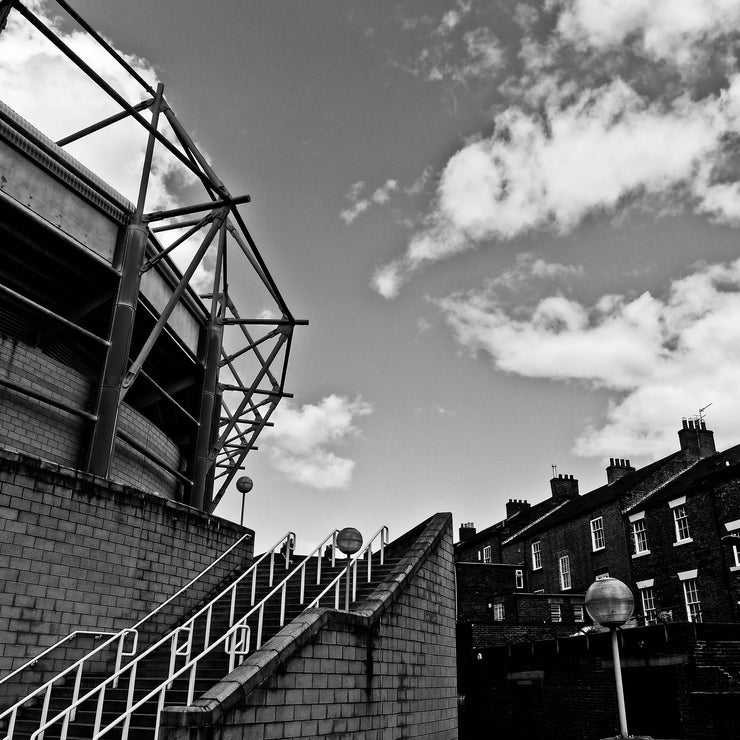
286,542
233,647
30,663
353,565
59,643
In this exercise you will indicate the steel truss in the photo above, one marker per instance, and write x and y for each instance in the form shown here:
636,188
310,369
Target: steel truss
234,407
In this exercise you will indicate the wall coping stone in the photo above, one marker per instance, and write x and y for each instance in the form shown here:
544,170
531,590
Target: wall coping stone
261,664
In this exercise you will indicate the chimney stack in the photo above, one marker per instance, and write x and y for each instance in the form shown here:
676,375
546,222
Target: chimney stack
564,487
515,505
696,440
617,468
467,530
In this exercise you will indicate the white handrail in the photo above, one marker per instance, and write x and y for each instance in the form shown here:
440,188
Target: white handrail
235,647
72,635
353,565
127,630
284,543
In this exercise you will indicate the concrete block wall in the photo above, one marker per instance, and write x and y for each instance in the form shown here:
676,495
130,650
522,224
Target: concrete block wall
83,553
385,670
58,436
131,468
27,424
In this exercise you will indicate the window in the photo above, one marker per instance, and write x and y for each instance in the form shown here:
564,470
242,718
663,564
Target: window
536,555
691,597
555,615
480,555
736,553
601,575
487,554
564,573
519,578
648,605
597,534
681,523
639,537
577,612
498,612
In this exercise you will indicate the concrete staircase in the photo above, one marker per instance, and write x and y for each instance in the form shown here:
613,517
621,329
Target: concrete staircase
152,670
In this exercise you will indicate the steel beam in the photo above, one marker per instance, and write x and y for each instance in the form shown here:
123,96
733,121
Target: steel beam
116,362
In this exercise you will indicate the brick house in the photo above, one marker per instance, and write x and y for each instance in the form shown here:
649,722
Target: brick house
669,530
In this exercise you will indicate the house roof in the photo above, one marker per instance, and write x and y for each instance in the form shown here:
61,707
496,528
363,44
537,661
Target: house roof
708,471
592,500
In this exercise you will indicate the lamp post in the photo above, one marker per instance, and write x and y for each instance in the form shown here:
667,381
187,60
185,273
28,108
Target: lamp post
244,486
610,603
349,541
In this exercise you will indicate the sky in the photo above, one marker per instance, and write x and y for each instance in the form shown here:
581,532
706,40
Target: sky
512,226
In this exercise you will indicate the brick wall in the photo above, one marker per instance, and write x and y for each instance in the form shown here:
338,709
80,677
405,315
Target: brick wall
680,680
478,584
717,585
385,670
27,424
80,552
133,469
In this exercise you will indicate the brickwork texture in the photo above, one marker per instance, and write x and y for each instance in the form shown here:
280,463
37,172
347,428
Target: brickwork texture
27,424
385,670
83,553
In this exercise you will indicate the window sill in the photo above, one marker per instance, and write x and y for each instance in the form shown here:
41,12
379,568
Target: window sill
598,549
566,588
683,542
540,568
640,554
734,568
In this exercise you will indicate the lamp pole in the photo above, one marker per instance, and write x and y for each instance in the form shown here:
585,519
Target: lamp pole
349,541
611,603
244,486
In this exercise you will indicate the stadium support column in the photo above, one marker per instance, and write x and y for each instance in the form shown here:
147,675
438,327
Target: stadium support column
116,361
133,251
208,417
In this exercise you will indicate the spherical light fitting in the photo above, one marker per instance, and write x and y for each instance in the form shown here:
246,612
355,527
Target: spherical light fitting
244,484
349,540
609,602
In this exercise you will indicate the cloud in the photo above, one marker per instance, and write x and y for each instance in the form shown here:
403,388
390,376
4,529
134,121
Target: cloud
606,106
359,205
299,445
681,32
607,149
658,357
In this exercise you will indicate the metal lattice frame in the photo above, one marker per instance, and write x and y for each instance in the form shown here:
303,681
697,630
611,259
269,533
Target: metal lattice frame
234,409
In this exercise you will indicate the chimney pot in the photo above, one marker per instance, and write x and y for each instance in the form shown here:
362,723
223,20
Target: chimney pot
618,467
697,442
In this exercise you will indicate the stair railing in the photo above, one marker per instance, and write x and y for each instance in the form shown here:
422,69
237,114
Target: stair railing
366,552
236,642
281,549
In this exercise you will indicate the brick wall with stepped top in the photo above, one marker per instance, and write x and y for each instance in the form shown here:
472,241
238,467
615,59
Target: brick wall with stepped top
386,669
78,552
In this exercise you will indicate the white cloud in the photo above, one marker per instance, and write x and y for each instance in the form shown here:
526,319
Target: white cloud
660,358
359,205
608,148
682,32
300,444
